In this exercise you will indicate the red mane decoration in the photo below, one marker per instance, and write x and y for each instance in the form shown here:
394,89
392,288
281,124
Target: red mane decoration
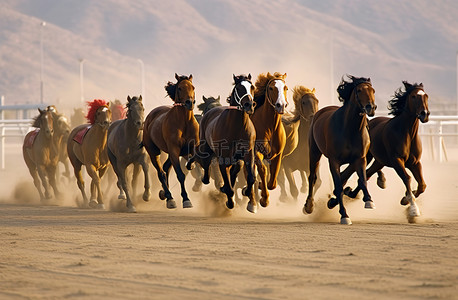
93,106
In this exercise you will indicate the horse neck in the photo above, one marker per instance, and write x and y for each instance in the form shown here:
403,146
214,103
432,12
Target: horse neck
183,113
354,120
407,123
99,134
264,113
132,131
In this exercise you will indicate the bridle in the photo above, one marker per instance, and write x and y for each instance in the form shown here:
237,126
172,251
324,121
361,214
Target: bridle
361,108
238,98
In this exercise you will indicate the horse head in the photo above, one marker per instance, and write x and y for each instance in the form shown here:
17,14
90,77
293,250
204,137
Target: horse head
44,121
305,102
60,122
208,104
242,94
99,113
360,92
182,93
135,111
417,101
276,93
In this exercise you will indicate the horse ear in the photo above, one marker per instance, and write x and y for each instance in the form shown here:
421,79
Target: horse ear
284,76
190,77
128,98
233,76
249,76
313,90
217,99
205,99
140,98
369,80
176,76
40,111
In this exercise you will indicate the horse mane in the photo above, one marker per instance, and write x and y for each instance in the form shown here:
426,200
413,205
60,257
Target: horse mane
261,85
93,107
398,103
171,87
346,87
36,120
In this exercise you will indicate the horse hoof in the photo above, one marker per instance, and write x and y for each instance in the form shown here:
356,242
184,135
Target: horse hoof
332,203
264,202
122,197
308,207
345,221
93,204
369,205
171,204
101,206
414,211
230,204
162,195
131,209
146,196
252,208
189,165
187,204
404,201
347,191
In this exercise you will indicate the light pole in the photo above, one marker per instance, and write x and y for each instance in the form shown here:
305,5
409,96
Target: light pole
142,66
457,82
81,60
43,24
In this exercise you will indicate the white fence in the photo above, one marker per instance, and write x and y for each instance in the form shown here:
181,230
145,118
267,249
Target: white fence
434,132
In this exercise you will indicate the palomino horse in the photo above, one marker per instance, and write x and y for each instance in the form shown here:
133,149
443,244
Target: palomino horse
305,106
124,146
340,133
270,98
40,154
78,117
61,133
87,145
228,134
395,142
175,131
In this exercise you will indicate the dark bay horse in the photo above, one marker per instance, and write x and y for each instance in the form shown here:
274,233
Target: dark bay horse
87,145
395,142
124,146
40,154
228,134
305,106
270,98
175,131
340,133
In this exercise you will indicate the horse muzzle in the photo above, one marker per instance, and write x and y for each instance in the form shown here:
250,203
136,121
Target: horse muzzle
248,107
423,116
189,104
280,108
370,110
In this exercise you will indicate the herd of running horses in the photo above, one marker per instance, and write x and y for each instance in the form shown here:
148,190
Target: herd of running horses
253,133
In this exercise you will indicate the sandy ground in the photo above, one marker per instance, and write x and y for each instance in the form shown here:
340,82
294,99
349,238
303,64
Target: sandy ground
62,251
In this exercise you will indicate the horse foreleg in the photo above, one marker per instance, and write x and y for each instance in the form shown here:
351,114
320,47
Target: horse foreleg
338,193
281,183
304,181
44,181
274,169
226,188
51,170
165,192
175,160
96,191
292,182
314,162
36,181
145,167
264,201
362,182
418,175
250,179
409,197
80,181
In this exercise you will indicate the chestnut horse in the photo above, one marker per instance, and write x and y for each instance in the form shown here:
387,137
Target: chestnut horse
124,146
228,134
395,142
270,98
173,130
40,154
340,133
305,106
91,151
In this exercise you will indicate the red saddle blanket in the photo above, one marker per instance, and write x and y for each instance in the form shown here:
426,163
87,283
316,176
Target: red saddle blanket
79,137
30,138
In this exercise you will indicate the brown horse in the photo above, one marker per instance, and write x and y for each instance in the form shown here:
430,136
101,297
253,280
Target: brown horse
228,134
305,106
270,98
40,154
87,145
78,117
61,133
173,130
118,110
124,146
340,133
395,142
